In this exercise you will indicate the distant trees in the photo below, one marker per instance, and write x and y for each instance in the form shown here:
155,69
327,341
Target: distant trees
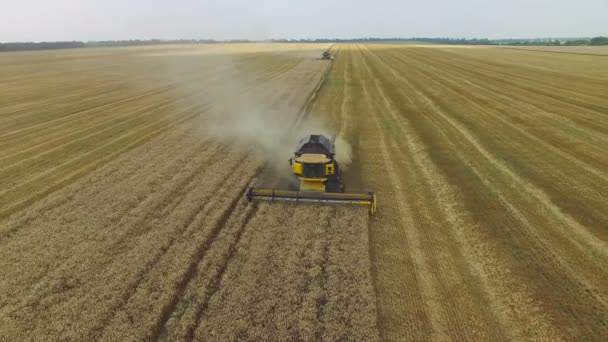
137,42
599,41
578,42
554,42
455,41
29,46
529,42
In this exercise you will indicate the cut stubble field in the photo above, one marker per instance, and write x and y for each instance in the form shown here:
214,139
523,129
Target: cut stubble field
490,166
122,174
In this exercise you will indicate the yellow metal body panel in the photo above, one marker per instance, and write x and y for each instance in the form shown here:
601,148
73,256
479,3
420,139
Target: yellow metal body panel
312,184
330,169
297,168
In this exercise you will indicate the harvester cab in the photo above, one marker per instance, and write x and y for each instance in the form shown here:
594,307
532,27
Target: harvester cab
319,177
314,165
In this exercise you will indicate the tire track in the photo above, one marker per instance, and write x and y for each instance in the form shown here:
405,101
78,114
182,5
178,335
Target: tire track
204,209
133,218
135,138
250,211
122,170
420,303
442,125
189,272
582,232
565,52
452,289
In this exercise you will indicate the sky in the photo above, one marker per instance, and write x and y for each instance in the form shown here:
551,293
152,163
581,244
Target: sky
60,20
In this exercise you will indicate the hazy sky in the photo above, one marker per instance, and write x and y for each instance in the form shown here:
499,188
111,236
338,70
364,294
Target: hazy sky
45,20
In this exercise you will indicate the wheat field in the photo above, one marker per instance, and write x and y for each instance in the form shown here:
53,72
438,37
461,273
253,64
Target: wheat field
123,173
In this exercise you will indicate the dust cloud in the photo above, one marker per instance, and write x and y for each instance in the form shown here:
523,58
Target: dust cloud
261,120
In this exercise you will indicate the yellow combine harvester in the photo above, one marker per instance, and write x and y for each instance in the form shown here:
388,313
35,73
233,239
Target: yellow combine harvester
320,178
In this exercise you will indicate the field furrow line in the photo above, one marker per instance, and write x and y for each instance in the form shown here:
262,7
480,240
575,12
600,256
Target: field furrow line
169,304
453,270
428,303
206,206
515,104
21,154
135,138
497,95
312,314
346,101
549,51
489,264
70,116
216,281
218,75
350,310
585,88
133,219
168,101
553,93
96,131
125,169
548,257
434,309
588,238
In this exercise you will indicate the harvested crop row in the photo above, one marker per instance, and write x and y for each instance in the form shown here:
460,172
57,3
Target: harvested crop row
492,197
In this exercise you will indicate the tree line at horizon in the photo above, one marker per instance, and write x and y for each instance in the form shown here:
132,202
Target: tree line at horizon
31,46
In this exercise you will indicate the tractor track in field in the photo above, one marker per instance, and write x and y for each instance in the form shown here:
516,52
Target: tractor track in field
132,217
422,241
215,287
70,116
200,210
526,186
484,257
135,139
200,254
428,298
496,74
508,97
564,52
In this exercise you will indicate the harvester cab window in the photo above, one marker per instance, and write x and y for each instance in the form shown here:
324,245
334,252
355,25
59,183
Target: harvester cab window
313,170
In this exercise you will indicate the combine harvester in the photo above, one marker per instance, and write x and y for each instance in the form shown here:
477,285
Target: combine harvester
327,56
320,178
